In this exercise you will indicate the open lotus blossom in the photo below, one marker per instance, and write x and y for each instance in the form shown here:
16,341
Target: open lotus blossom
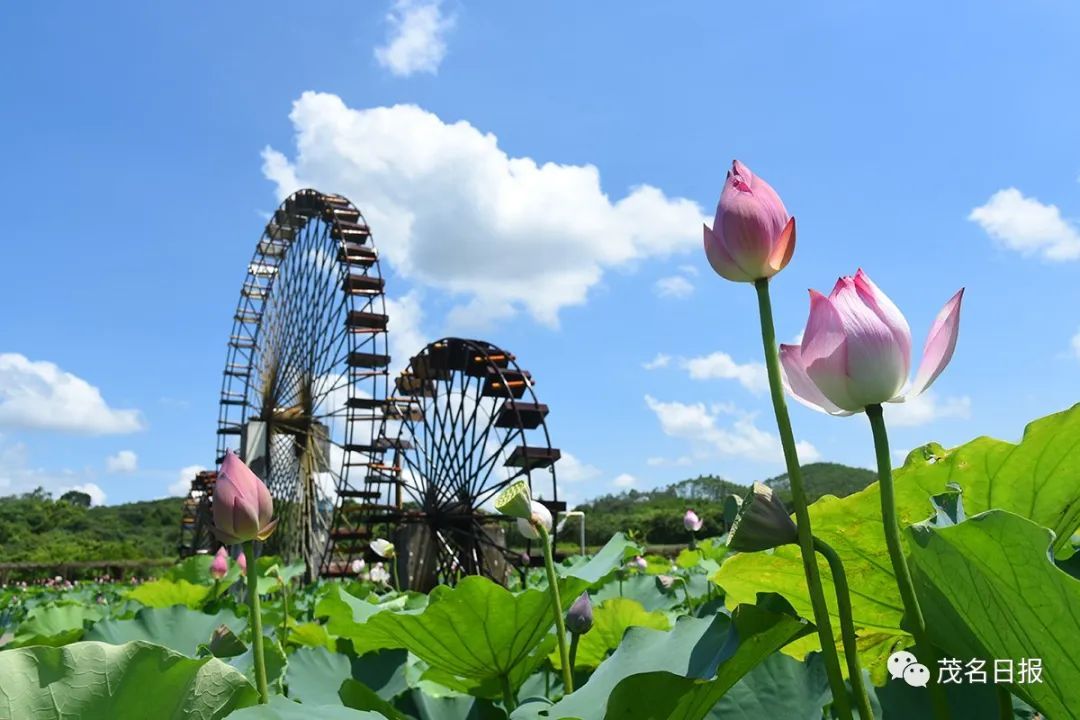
220,566
383,548
856,349
539,515
752,236
379,574
357,566
243,507
691,521
579,618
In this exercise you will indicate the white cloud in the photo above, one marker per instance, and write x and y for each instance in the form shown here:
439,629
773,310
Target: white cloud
661,461
690,270
927,408
417,41
624,480
97,495
660,361
450,209
1028,226
719,365
125,461
182,486
675,286
39,395
698,424
570,469
18,475
1076,345
404,333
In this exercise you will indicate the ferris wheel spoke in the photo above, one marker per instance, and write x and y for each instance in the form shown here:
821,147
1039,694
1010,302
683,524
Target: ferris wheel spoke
462,460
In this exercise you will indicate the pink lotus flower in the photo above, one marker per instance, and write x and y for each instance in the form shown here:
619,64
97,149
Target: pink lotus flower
220,566
241,560
856,350
752,235
242,505
638,563
691,521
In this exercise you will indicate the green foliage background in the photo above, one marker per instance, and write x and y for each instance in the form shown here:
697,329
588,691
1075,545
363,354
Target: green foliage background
34,527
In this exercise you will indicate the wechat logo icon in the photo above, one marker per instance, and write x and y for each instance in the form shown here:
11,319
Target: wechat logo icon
904,666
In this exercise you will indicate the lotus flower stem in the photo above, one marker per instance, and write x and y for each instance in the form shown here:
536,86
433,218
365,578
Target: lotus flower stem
802,514
574,638
256,621
509,702
397,582
847,628
284,610
913,613
1005,706
556,607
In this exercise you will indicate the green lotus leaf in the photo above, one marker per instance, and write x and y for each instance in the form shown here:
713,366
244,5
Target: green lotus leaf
640,588
314,675
1035,478
176,628
55,625
611,619
274,658
346,615
166,593
988,589
311,635
476,630
98,681
681,672
357,695
280,708
582,573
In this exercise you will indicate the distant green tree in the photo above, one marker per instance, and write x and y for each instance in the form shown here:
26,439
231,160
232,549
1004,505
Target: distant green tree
76,497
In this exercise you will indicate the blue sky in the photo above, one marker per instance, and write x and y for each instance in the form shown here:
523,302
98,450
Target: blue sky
573,148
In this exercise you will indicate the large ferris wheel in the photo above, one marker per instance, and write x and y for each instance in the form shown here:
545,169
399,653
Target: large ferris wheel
308,402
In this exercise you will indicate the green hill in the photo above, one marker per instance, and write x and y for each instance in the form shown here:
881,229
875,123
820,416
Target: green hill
824,479
34,527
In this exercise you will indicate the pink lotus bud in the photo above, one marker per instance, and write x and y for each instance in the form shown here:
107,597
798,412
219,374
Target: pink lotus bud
242,562
220,566
691,521
242,505
579,618
752,235
856,349
638,563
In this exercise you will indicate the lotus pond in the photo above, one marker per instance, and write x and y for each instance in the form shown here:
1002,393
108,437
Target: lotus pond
989,534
